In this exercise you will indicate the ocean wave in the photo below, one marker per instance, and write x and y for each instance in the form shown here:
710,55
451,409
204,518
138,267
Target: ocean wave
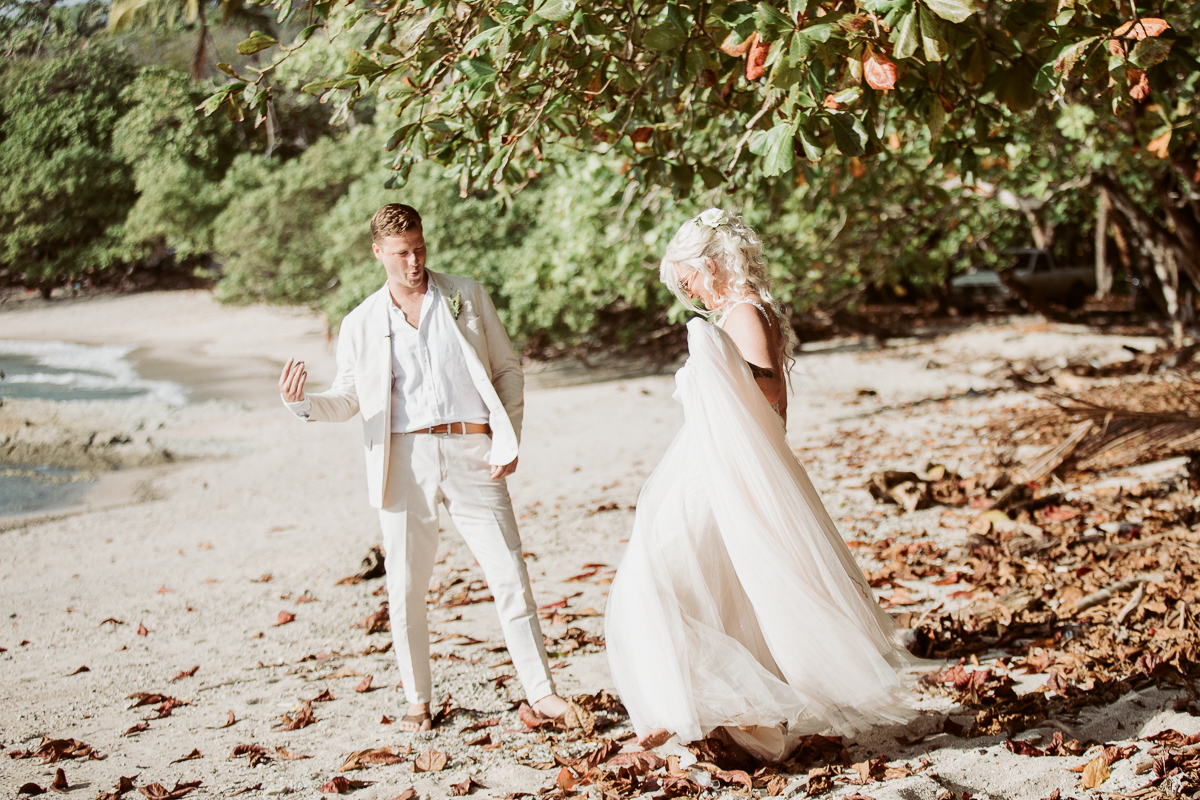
93,369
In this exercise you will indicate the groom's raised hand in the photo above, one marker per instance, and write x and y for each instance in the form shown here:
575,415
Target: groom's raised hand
291,381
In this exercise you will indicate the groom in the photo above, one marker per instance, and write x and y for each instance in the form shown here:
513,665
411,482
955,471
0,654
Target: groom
427,364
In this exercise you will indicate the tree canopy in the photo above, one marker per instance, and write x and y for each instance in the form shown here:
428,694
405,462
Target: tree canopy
716,94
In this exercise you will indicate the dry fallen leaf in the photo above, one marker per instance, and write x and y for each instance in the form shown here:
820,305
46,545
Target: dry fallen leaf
340,785
365,685
156,791
432,760
407,794
30,789
637,763
60,781
141,726
465,786
1095,773
379,756
84,668
228,723
566,780
288,755
187,673
304,717
112,621
324,697
386,720
141,631
194,754
284,618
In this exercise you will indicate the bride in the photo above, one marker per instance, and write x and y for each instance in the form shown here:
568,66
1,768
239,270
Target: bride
736,604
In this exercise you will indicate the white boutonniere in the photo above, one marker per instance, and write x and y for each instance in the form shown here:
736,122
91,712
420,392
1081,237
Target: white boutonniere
455,304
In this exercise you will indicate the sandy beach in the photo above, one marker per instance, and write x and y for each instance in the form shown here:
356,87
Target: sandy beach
208,521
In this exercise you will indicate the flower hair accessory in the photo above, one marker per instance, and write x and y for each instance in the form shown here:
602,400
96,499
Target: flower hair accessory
713,218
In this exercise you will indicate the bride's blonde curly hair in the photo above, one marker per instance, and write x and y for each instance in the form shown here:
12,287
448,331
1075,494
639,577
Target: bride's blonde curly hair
720,238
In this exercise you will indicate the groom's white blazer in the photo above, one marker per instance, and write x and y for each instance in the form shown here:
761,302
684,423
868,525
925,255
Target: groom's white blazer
364,377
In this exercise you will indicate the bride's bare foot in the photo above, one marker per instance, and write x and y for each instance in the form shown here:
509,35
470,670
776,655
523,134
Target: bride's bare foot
654,738
551,706
418,718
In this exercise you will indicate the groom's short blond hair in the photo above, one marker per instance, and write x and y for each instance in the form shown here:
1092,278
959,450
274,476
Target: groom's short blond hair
394,219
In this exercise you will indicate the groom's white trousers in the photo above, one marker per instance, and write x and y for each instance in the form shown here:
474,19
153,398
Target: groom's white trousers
426,469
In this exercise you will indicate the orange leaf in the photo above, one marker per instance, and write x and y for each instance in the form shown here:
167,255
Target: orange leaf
738,50
1139,84
566,779
756,60
284,618
1158,145
1143,28
879,71
365,685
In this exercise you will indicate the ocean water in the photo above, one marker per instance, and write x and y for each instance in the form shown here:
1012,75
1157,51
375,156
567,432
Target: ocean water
65,371
25,489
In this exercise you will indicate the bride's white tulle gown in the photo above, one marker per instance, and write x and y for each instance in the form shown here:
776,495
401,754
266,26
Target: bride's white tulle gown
737,604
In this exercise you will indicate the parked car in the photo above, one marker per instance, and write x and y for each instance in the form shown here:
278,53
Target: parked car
1035,270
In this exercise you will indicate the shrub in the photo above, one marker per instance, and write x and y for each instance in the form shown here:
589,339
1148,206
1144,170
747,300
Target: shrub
66,192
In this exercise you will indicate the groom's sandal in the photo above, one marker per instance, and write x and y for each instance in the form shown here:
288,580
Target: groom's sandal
417,722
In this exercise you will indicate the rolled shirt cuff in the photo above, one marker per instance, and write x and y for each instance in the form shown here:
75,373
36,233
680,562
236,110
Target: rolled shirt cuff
301,409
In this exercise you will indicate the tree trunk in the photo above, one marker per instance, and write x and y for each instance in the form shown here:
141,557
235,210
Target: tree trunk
200,54
1104,276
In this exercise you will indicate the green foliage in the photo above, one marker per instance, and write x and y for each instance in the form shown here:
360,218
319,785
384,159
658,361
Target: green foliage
269,237
66,192
485,89
178,159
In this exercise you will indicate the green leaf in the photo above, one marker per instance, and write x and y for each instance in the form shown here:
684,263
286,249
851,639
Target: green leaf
812,150
397,137
554,10
663,37
358,64
712,177
258,41
819,32
904,36
228,70
307,33
772,24
977,65
475,68
482,38
1016,91
936,121
849,133
934,45
1149,52
847,96
797,7
953,10
775,147
318,87
389,48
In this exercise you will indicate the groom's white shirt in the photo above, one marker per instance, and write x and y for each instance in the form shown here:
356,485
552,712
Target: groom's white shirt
369,352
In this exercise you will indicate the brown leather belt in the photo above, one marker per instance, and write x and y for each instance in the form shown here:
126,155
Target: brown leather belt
456,427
